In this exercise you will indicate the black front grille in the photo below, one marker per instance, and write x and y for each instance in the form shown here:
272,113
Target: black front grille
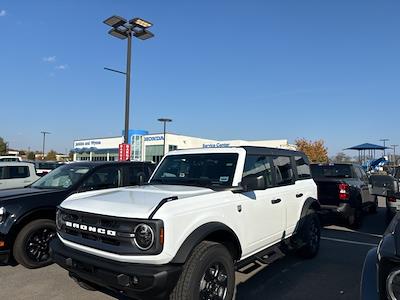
119,242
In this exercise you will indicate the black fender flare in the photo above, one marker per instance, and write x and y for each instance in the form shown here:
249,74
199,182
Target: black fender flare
201,233
310,203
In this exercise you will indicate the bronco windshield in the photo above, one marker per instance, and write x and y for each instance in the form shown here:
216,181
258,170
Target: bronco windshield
61,178
208,170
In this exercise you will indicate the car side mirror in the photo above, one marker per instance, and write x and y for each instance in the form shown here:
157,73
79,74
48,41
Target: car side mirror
140,178
252,183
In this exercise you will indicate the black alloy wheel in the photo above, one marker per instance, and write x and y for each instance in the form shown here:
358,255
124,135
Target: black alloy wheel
31,247
37,245
214,283
315,235
310,234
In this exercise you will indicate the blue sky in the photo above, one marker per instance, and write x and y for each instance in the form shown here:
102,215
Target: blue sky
220,69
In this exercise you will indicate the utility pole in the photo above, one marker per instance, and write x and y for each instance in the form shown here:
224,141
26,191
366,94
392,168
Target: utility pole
394,153
165,121
384,145
44,140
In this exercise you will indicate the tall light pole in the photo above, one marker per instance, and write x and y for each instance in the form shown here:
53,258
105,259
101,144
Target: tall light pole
384,145
44,140
394,153
165,121
123,29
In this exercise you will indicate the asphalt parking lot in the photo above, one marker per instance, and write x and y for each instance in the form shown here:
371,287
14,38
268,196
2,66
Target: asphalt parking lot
333,274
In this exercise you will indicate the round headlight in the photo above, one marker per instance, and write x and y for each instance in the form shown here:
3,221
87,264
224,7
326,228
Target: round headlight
393,285
144,236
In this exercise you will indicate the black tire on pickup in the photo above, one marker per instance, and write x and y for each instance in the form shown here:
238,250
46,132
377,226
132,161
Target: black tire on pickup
374,206
207,274
310,235
31,247
355,220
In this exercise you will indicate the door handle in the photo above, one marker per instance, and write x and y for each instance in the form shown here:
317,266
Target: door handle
275,201
299,195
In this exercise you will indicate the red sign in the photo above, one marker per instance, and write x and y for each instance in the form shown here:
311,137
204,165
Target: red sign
124,152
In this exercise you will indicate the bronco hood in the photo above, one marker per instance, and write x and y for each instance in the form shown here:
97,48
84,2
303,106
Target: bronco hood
129,202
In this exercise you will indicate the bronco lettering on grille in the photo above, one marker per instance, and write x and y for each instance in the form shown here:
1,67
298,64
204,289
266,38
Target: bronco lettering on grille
91,228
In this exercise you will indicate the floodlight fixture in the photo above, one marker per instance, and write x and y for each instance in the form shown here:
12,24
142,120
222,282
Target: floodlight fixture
144,35
140,22
118,34
115,21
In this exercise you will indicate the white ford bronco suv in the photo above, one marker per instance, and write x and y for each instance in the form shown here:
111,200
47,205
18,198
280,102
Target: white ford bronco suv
203,214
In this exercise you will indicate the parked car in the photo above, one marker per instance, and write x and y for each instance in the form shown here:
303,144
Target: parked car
386,186
16,175
203,214
44,167
27,215
381,272
344,189
8,158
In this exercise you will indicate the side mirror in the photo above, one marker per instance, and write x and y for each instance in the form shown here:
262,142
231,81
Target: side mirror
252,183
140,178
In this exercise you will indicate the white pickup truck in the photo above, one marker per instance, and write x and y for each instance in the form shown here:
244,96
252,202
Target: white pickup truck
203,214
16,175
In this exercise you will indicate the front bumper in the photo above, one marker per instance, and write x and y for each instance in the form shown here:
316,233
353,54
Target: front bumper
369,277
5,252
4,256
140,281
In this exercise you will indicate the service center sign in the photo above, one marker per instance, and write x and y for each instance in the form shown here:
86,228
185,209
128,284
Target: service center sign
124,152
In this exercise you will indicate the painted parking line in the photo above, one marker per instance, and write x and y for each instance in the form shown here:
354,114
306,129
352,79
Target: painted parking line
353,231
349,242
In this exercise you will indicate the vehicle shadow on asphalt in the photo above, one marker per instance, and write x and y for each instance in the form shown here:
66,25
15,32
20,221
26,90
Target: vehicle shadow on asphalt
334,274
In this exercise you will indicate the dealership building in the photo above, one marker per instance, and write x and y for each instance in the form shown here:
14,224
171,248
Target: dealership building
150,147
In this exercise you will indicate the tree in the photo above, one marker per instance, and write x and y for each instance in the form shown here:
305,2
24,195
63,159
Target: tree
315,150
341,157
71,155
51,155
3,146
31,155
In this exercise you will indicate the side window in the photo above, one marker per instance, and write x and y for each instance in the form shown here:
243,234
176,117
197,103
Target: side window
303,169
256,166
18,172
2,173
104,178
283,170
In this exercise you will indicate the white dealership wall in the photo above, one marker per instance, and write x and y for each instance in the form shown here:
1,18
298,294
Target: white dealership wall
107,148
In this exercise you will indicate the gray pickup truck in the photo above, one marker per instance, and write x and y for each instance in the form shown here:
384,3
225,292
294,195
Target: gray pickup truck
344,189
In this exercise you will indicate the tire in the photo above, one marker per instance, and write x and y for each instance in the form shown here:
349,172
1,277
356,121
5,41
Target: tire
209,265
356,219
374,206
31,247
310,235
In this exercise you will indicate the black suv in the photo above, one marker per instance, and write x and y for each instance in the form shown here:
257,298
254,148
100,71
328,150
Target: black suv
381,273
27,215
